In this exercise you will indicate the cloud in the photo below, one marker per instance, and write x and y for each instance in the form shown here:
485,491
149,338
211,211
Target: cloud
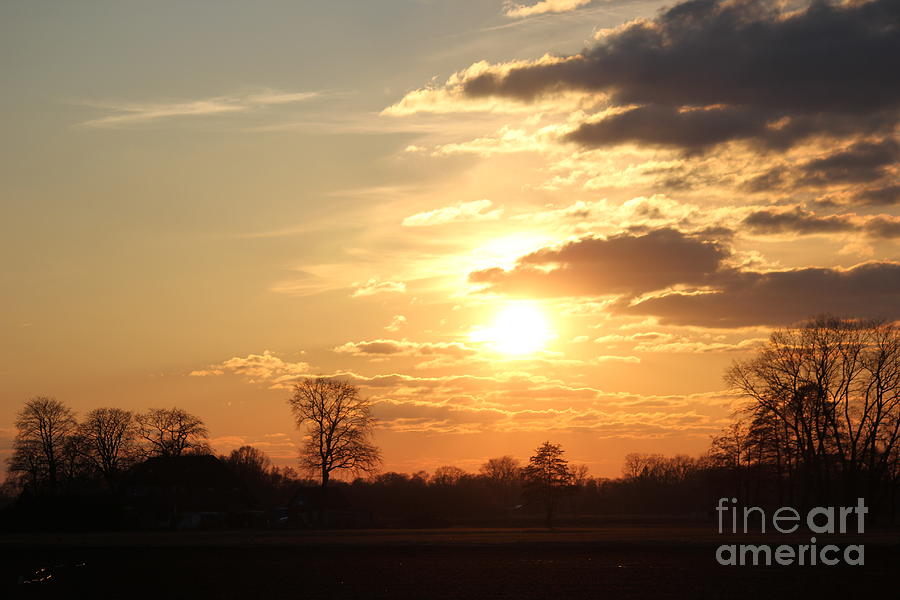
123,114
477,210
621,264
511,402
862,162
456,354
690,130
269,97
699,347
374,286
797,221
883,226
745,298
451,96
627,417
507,140
275,445
387,347
705,72
883,196
614,358
687,279
657,342
521,401
265,367
517,11
396,323
707,52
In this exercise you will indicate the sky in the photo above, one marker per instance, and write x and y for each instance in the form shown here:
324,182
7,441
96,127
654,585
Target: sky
506,223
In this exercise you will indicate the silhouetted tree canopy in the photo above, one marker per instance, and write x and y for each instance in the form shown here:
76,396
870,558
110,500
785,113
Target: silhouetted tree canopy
109,438
547,477
504,469
820,425
339,426
172,432
823,418
43,445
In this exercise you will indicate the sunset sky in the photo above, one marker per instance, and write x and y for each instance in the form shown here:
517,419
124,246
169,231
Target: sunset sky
507,223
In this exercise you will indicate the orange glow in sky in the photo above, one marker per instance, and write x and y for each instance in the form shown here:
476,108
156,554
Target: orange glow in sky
488,225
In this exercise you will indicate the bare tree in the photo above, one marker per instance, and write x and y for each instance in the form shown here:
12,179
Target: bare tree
502,470
172,432
580,475
447,475
825,405
109,438
44,427
632,465
339,426
547,477
251,464
640,465
505,475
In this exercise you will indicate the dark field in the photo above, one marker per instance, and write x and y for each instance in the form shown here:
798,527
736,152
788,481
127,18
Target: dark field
615,562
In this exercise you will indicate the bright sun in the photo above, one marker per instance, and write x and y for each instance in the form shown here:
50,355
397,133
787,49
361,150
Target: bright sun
519,328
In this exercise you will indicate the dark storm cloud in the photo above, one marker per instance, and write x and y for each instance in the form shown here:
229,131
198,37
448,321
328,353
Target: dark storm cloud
781,297
761,73
622,264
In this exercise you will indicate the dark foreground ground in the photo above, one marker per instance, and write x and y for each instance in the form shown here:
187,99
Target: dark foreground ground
613,562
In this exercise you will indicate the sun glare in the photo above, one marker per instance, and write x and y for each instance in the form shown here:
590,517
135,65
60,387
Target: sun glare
518,329
503,252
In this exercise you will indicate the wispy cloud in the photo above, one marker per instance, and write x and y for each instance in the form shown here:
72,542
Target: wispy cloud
126,113
265,367
476,210
385,347
374,286
505,402
517,11
396,323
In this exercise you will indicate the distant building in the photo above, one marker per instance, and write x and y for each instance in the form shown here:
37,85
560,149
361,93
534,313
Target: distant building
186,492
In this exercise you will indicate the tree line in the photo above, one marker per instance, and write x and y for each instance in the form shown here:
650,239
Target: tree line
52,450
819,425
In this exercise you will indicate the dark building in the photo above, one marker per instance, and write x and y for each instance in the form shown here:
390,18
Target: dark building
186,492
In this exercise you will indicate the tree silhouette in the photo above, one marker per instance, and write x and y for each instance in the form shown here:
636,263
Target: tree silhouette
249,462
502,470
447,475
45,428
505,476
109,440
547,477
172,432
824,409
338,424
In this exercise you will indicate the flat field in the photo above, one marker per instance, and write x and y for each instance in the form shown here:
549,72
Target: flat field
626,561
